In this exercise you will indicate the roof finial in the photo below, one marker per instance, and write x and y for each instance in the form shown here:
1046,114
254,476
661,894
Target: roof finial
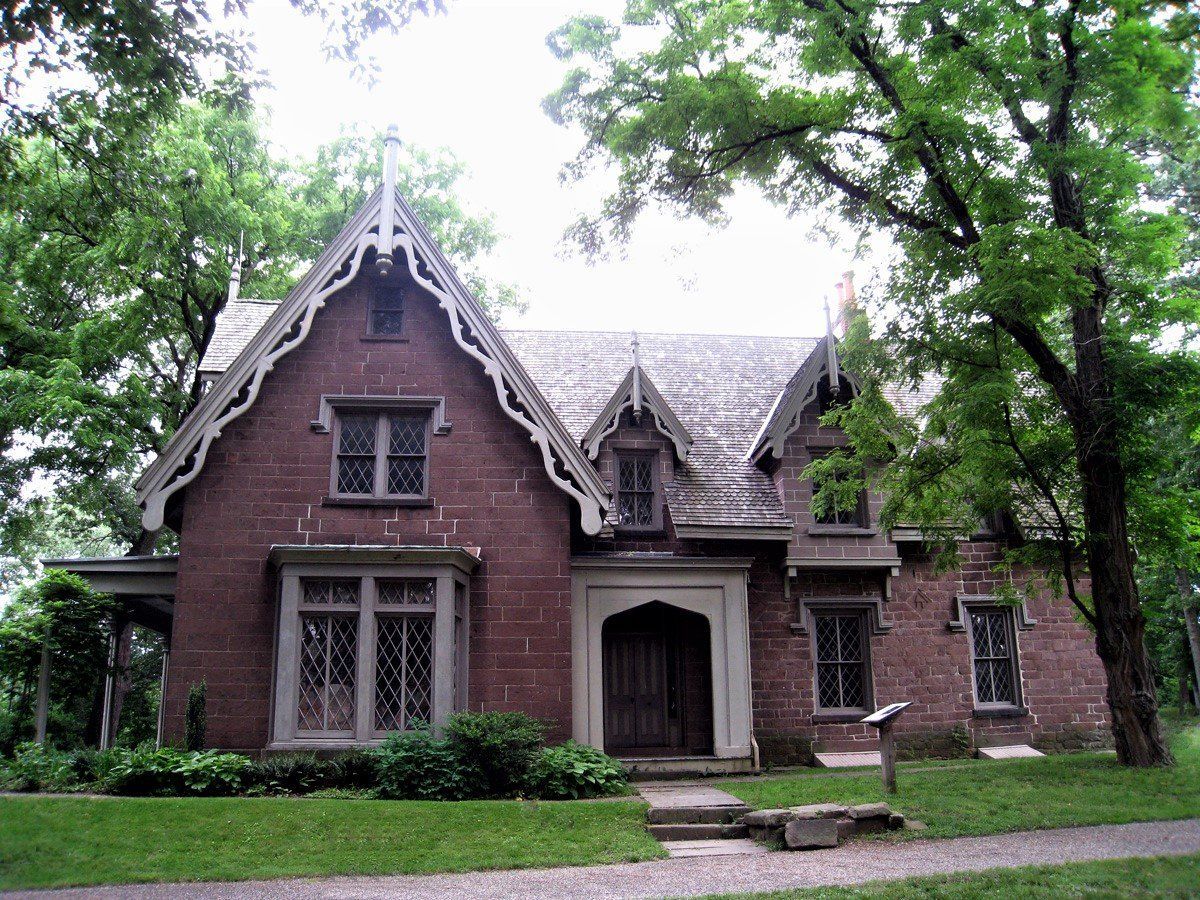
235,274
637,380
831,360
387,204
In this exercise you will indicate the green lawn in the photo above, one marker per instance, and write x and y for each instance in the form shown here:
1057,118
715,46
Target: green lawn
1164,876
60,841
987,797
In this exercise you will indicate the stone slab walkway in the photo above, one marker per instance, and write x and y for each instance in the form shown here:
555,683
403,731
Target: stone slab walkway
852,863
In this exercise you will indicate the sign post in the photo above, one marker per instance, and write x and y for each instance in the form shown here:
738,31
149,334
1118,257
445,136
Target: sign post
883,719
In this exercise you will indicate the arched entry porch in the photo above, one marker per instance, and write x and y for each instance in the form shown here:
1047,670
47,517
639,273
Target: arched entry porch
626,613
657,682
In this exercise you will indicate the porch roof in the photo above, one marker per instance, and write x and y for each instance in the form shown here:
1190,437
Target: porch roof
145,585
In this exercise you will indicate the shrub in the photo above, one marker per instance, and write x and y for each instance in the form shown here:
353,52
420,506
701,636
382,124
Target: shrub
416,765
94,766
196,717
171,772
35,767
289,773
356,769
573,771
501,746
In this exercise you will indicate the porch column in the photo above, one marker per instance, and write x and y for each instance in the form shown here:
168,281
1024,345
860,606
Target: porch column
118,643
161,726
43,695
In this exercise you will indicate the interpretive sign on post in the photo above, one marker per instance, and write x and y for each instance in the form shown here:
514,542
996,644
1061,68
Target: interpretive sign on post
883,719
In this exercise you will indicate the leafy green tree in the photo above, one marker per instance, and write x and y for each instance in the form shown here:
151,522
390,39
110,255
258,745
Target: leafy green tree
110,284
1006,148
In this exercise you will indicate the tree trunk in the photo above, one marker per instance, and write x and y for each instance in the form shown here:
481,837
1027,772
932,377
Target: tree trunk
1120,626
1191,620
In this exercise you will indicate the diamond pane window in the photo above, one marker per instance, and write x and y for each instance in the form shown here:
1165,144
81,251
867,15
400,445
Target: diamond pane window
328,654
386,317
993,657
356,455
410,592
403,671
323,591
637,505
840,662
381,455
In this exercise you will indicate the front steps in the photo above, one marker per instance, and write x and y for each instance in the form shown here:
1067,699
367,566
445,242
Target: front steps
696,820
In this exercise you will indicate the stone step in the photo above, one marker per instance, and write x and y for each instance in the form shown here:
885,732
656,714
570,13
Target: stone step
737,847
698,832
695,815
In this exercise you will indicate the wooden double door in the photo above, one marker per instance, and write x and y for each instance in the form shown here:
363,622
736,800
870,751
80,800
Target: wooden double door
657,682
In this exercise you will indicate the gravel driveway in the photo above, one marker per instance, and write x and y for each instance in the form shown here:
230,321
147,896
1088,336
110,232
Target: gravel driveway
850,864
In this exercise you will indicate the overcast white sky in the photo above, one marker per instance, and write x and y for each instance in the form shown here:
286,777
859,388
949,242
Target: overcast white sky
472,81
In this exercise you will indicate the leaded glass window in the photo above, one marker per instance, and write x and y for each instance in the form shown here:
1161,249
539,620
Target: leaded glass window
993,655
381,455
386,317
328,662
407,592
403,671
841,661
637,500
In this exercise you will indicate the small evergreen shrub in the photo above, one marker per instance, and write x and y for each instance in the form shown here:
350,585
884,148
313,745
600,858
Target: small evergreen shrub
289,773
196,717
93,767
354,770
501,746
35,767
573,771
171,772
417,765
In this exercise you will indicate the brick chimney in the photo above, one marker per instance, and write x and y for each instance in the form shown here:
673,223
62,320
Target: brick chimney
848,306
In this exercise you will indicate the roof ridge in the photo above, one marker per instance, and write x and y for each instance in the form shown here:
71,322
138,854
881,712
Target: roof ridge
626,332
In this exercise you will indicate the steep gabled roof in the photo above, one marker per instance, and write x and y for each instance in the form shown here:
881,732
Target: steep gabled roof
288,326
636,391
238,319
800,391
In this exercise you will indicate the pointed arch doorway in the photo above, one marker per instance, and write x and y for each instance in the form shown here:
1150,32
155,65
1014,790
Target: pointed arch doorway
657,682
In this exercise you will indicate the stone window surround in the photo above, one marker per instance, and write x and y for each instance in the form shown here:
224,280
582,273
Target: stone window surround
620,452
1018,621
326,422
842,714
603,586
450,567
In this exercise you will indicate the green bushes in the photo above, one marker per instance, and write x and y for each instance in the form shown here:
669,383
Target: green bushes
178,773
572,771
499,748
416,765
478,756
195,716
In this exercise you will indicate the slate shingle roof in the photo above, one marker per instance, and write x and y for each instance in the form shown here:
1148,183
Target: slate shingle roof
238,322
722,388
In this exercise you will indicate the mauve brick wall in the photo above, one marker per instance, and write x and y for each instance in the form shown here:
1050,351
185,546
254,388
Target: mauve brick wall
263,485
920,659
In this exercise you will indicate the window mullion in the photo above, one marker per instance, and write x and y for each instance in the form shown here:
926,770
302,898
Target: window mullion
383,434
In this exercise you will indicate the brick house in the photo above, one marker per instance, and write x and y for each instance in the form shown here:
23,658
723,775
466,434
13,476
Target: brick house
389,509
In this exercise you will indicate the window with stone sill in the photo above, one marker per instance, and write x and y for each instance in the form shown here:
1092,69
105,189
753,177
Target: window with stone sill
842,662
995,670
848,517
636,483
381,455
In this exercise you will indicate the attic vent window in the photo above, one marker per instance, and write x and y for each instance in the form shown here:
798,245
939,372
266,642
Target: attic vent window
385,317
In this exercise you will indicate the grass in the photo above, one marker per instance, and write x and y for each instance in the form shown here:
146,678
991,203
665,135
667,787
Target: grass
64,841
988,797
1164,876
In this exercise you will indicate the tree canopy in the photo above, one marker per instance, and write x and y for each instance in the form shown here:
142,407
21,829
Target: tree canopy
1008,148
111,281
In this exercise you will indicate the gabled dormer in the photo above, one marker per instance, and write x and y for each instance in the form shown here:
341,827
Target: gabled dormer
637,394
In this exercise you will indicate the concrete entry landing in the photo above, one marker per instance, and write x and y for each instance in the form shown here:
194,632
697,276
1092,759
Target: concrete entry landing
848,760
1013,751
693,819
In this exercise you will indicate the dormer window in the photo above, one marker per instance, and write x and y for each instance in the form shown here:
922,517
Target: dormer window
639,503
381,455
385,316
845,517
